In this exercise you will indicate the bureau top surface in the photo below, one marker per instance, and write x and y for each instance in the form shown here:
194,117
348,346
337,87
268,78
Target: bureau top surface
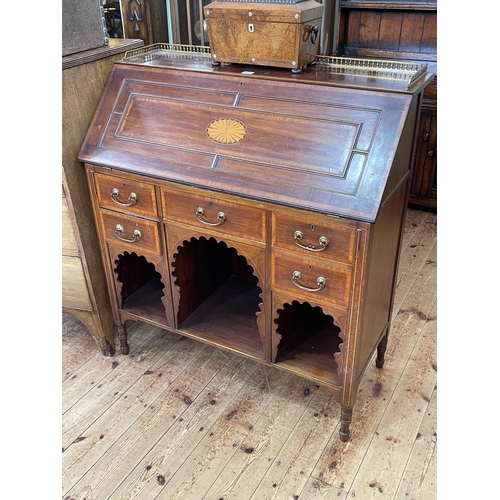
306,142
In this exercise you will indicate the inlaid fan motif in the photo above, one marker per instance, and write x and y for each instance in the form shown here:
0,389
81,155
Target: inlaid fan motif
226,131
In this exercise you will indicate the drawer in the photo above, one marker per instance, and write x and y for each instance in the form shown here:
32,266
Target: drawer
209,212
126,196
137,234
312,279
311,240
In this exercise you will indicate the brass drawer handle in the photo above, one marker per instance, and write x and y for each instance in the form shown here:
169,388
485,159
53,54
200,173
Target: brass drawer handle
221,217
321,282
310,31
114,196
120,229
323,241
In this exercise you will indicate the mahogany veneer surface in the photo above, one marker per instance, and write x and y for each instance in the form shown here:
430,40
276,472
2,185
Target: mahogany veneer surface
259,211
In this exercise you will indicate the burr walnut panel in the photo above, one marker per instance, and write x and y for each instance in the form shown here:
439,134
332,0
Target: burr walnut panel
270,34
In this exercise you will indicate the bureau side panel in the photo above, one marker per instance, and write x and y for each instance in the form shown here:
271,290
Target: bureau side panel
385,243
383,257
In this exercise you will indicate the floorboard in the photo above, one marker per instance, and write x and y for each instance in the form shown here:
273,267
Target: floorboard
178,419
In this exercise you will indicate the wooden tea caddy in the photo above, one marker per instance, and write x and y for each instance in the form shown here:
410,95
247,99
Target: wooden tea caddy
284,34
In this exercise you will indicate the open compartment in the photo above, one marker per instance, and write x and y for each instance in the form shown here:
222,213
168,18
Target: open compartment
309,341
220,296
141,288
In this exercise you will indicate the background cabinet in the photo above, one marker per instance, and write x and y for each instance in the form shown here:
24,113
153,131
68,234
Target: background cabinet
84,291
423,190
399,30
145,20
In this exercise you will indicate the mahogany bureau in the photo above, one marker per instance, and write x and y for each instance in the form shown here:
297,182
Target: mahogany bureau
254,209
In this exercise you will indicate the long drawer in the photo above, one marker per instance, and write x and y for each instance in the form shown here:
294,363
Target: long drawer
214,213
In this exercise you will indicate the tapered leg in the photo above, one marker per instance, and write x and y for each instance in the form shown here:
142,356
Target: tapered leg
122,337
345,422
382,346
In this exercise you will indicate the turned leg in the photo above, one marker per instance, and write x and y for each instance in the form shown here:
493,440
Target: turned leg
382,346
345,422
122,337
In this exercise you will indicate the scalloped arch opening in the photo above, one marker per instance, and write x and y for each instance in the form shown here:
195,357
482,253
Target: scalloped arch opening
219,293
135,273
310,336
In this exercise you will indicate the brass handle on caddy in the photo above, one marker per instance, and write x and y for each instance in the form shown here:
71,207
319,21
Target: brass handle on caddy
310,32
314,34
132,197
221,217
120,229
321,282
323,241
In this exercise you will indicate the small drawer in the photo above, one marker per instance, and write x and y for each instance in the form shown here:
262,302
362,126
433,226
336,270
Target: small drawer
318,281
311,240
131,232
211,213
127,196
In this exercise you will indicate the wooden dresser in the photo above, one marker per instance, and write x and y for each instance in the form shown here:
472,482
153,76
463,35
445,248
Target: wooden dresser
399,30
84,291
254,209
145,19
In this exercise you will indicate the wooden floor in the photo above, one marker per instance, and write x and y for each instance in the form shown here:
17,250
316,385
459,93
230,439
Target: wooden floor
177,419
